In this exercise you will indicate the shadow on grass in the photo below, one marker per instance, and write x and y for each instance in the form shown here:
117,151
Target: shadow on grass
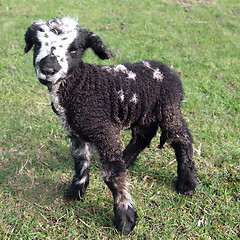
43,187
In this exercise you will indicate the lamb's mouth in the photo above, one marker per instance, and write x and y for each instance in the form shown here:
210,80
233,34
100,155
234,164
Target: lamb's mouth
44,81
48,78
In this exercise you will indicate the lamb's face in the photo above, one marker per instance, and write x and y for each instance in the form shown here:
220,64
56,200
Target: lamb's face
58,47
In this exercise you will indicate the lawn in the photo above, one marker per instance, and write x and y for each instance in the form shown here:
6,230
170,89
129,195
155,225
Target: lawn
200,39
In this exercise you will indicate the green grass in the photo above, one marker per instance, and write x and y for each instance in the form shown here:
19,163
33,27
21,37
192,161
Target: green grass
201,40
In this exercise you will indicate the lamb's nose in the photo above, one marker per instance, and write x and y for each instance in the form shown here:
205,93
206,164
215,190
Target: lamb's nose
49,65
48,70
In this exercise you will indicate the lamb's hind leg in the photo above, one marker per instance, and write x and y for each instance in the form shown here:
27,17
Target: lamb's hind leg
141,138
180,138
81,153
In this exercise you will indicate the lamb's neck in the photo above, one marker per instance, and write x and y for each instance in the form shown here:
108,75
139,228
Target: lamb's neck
53,90
62,90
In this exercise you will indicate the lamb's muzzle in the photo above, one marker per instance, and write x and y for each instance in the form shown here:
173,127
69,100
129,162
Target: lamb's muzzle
49,66
94,103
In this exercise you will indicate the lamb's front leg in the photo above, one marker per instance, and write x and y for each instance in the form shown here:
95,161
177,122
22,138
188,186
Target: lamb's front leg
114,174
82,154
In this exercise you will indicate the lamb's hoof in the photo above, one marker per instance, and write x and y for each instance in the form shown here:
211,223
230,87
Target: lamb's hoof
125,219
186,189
73,193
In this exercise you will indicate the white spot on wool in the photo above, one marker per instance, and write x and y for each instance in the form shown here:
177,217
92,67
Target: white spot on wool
158,75
121,95
122,68
131,75
146,64
107,68
134,98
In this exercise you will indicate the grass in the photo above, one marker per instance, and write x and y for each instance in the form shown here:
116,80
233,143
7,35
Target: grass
201,40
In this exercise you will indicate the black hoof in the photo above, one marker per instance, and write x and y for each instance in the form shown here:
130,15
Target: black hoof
186,189
73,193
125,219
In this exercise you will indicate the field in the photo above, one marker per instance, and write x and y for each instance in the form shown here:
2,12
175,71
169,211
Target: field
200,39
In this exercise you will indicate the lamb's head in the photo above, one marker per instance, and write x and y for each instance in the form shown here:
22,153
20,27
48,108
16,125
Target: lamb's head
59,45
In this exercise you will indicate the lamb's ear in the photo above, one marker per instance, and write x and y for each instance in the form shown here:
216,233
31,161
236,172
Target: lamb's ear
95,43
29,35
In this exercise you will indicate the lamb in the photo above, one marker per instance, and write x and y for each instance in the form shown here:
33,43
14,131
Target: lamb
95,102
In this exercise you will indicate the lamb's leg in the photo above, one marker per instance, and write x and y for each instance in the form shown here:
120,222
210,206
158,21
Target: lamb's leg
181,141
182,144
81,153
141,138
114,174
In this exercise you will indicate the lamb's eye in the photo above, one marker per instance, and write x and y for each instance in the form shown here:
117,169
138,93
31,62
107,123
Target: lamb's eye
73,51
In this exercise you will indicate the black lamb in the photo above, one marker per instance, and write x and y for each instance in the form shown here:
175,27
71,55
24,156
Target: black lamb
94,103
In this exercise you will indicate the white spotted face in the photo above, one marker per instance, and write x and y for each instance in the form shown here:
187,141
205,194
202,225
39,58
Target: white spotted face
52,49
